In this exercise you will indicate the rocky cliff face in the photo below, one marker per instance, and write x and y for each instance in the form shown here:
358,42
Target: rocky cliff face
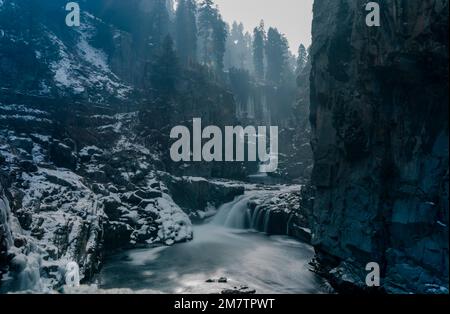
73,189
379,113
40,55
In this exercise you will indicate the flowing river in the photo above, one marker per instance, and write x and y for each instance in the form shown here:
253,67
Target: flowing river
221,248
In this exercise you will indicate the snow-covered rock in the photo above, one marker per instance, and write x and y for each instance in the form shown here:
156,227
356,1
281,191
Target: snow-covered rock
59,212
55,61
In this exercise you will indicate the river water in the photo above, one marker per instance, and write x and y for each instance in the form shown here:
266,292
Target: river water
221,248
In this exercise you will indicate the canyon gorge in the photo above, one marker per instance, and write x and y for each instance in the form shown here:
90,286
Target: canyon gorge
86,174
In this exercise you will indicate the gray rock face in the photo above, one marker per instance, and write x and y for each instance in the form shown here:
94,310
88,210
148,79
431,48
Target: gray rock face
379,113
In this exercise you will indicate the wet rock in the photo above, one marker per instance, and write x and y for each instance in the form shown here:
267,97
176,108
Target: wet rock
25,218
239,290
148,194
20,241
44,141
28,166
87,153
38,232
155,185
63,156
144,203
117,235
348,278
131,217
193,194
48,208
57,180
70,143
283,212
131,198
97,175
111,206
220,280
113,189
278,222
23,143
144,233
100,189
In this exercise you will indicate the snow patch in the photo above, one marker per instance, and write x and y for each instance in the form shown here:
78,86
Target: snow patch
85,67
22,109
174,224
24,118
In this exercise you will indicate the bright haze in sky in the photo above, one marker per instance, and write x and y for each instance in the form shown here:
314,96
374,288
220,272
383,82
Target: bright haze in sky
291,17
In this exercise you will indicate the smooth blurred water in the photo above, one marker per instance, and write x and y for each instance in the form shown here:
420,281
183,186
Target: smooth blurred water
269,264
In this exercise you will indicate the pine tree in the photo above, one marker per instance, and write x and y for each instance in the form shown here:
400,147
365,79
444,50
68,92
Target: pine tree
240,83
220,39
160,23
238,53
213,35
277,51
186,30
259,39
205,23
248,43
165,70
302,58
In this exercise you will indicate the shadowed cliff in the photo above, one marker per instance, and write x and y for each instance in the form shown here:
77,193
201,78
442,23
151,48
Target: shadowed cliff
379,113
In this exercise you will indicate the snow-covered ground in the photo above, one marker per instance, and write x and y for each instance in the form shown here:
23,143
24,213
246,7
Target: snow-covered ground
85,66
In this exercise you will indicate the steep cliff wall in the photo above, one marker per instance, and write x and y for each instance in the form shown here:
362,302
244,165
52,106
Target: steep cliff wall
379,113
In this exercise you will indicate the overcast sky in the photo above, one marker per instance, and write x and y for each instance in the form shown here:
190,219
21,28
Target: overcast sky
291,17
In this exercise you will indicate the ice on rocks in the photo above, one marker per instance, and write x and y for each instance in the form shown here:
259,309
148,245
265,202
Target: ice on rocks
174,224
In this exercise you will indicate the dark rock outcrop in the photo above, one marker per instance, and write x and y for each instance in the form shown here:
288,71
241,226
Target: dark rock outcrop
63,156
194,195
379,113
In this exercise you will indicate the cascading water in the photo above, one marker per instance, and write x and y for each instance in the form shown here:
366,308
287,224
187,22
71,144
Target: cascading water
234,214
239,214
221,248
28,278
5,212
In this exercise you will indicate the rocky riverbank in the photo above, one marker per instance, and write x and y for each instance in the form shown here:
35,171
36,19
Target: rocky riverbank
78,195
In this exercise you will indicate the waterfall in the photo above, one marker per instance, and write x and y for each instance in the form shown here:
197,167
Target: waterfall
28,275
5,213
235,214
238,214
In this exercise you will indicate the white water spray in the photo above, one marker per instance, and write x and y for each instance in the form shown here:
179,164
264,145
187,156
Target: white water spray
239,214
